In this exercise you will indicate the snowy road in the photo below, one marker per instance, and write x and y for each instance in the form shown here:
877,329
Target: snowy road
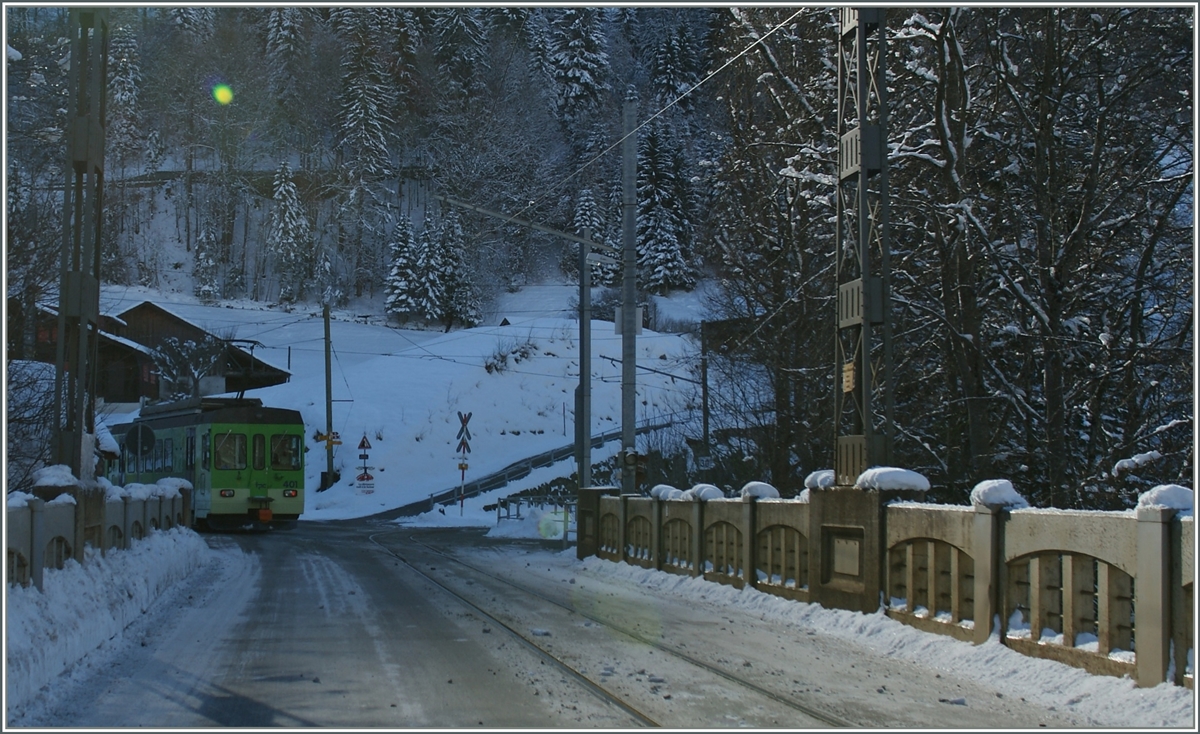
328,625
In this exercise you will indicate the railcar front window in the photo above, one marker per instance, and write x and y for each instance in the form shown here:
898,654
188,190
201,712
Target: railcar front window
231,451
285,452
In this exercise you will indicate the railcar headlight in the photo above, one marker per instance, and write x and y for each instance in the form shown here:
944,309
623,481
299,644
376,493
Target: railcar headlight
290,493
226,492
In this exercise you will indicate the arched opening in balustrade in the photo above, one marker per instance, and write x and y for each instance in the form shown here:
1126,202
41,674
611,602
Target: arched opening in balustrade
1070,599
154,523
136,532
676,542
610,534
782,558
931,579
116,538
18,567
637,538
1184,642
723,550
58,550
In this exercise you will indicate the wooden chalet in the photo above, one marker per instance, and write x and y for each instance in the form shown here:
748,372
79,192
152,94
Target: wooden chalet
149,324
125,360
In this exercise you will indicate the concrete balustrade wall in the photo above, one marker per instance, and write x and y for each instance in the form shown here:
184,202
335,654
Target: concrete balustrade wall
1109,592
44,534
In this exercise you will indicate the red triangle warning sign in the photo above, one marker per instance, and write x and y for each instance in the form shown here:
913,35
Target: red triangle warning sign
364,444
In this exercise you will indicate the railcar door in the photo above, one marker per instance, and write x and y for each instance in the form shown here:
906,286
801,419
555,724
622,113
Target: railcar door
203,483
189,455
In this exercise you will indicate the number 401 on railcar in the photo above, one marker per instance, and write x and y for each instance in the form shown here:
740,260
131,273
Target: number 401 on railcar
245,461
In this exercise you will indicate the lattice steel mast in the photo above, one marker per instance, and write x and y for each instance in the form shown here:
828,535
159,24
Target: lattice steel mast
79,272
863,401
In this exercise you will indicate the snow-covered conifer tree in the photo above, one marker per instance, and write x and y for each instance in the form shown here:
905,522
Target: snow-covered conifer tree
204,267
124,135
675,69
460,39
662,228
193,22
429,291
366,97
589,217
288,235
328,289
578,63
286,48
460,298
402,285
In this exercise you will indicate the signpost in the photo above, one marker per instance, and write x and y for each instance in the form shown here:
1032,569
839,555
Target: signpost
366,482
464,448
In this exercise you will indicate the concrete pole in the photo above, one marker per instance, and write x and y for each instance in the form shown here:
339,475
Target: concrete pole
629,297
584,416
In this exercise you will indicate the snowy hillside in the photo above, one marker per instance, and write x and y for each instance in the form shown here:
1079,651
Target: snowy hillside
403,389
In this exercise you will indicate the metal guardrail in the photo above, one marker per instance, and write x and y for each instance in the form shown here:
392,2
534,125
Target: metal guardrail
509,508
512,472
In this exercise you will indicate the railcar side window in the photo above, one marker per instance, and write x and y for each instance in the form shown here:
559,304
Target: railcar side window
285,452
204,461
169,454
231,451
189,451
260,451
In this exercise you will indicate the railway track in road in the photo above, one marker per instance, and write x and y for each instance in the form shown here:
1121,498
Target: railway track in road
593,688
819,715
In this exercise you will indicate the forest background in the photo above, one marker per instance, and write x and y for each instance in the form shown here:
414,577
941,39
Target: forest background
1041,174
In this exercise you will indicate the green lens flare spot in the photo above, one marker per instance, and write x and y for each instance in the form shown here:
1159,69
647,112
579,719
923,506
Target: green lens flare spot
223,94
550,525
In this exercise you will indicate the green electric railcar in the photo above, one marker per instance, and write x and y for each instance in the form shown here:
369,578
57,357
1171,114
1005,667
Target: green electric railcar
245,461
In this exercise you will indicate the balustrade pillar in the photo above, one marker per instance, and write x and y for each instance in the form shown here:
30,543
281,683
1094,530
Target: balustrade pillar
1153,594
988,564
749,541
37,544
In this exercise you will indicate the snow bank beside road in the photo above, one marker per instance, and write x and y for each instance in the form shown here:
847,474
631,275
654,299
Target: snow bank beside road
81,607
1104,701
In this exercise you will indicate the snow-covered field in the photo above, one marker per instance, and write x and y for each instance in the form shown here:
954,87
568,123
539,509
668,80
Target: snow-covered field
402,389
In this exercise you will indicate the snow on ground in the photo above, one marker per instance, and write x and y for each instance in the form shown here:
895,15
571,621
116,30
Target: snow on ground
82,611
402,389
82,607
1105,700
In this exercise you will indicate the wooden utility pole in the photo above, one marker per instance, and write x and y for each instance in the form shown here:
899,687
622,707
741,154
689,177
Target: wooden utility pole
328,479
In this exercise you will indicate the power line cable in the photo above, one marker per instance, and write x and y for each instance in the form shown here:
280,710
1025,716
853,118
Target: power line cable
557,186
